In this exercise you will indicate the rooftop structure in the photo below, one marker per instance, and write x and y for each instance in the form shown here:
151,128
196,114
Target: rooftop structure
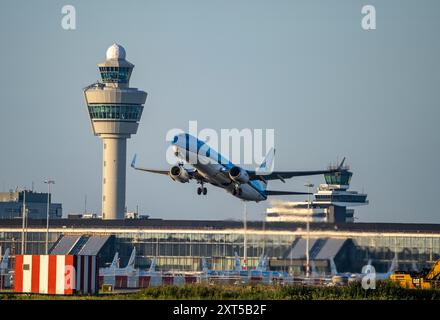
330,203
11,205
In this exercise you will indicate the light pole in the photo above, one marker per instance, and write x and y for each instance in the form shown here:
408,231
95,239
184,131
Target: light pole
48,182
245,236
309,186
23,216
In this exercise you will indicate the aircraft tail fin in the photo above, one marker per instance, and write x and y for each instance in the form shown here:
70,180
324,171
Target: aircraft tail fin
313,268
4,263
266,167
394,264
115,262
153,265
204,265
333,268
237,262
260,265
131,261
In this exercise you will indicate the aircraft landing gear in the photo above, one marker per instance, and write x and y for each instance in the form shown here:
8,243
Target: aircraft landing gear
201,190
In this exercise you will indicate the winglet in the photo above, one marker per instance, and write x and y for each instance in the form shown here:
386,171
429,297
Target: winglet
133,162
341,164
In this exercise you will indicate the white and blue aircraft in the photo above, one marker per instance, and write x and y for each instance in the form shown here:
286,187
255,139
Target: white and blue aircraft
4,262
358,276
234,272
211,167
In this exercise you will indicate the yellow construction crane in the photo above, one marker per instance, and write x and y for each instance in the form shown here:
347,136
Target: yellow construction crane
427,279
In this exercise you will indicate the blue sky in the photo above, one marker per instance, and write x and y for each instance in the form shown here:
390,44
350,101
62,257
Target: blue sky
304,68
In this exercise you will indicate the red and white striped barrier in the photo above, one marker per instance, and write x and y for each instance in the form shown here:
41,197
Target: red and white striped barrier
56,274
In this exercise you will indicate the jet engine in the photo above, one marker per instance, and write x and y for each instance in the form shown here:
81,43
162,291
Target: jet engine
239,175
179,173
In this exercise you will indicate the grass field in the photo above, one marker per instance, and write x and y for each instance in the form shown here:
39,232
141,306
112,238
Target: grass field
383,291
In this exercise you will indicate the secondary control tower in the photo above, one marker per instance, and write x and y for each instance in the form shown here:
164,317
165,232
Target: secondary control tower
115,110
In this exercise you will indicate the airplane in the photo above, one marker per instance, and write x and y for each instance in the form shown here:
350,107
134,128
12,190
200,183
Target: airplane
260,272
130,271
262,263
210,167
155,276
115,262
152,266
5,276
115,270
234,272
4,262
359,276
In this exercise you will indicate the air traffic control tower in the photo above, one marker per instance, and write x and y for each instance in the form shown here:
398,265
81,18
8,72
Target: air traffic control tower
115,110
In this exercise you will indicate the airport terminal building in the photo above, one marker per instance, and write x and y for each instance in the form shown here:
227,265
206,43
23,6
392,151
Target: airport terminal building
181,244
36,203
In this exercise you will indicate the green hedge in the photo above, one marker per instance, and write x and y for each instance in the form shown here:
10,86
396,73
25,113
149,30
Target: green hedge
354,291
383,291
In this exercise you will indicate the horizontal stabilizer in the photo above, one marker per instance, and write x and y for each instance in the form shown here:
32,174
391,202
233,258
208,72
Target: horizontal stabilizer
285,193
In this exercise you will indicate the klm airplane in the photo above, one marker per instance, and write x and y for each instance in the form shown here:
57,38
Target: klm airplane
225,273
210,167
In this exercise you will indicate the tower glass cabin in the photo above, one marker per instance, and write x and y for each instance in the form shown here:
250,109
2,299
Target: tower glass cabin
331,202
339,178
115,110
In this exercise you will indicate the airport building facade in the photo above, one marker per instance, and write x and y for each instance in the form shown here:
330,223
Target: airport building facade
11,205
181,245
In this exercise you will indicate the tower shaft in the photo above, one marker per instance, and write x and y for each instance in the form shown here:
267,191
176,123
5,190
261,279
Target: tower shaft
114,157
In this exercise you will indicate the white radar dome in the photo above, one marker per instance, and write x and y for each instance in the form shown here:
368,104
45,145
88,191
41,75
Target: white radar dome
115,51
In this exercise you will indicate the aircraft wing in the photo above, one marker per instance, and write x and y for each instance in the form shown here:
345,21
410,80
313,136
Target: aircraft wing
165,172
282,175
285,193
133,165
193,174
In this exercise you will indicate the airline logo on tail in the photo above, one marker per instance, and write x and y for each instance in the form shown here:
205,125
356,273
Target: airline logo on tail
267,165
4,262
204,265
153,265
237,262
262,263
